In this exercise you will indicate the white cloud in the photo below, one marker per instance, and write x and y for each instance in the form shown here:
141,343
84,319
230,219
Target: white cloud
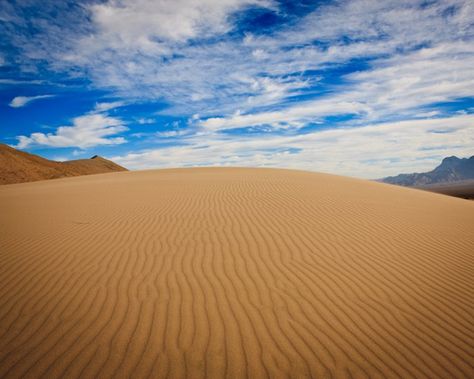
104,107
231,74
406,82
86,131
149,26
172,133
397,86
369,151
21,101
15,81
144,120
293,116
414,53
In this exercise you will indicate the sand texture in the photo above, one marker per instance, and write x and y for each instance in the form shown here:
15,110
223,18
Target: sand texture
18,167
232,273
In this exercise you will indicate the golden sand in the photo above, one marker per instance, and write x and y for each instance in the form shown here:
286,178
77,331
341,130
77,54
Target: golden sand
220,272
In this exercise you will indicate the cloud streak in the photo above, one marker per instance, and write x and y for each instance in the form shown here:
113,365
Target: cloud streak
222,76
395,87
359,70
22,101
369,151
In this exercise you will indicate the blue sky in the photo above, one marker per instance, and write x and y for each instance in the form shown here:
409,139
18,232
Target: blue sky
361,88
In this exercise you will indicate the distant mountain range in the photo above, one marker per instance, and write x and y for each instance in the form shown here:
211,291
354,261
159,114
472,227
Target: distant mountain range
451,169
17,166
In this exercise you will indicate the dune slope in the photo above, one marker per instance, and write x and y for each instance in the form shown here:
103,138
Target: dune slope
18,167
231,273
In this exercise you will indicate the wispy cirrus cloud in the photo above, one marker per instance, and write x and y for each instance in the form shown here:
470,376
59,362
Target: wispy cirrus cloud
164,50
295,116
366,71
388,148
107,106
220,75
398,86
21,101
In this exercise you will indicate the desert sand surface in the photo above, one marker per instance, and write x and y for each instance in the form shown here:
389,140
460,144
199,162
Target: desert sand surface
17,166
463,189
228,272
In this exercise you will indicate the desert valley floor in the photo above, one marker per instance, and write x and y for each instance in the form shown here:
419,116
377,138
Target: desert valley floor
221,272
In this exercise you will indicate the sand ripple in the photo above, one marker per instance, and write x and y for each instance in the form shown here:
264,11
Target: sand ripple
211,273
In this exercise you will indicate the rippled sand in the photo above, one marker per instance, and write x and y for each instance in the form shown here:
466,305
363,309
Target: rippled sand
219,272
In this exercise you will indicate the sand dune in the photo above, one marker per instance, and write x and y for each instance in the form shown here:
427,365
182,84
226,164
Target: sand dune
211,273
18,167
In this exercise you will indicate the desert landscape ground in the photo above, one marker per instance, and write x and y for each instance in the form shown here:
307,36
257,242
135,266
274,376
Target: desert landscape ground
17,166
463,189
228,272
